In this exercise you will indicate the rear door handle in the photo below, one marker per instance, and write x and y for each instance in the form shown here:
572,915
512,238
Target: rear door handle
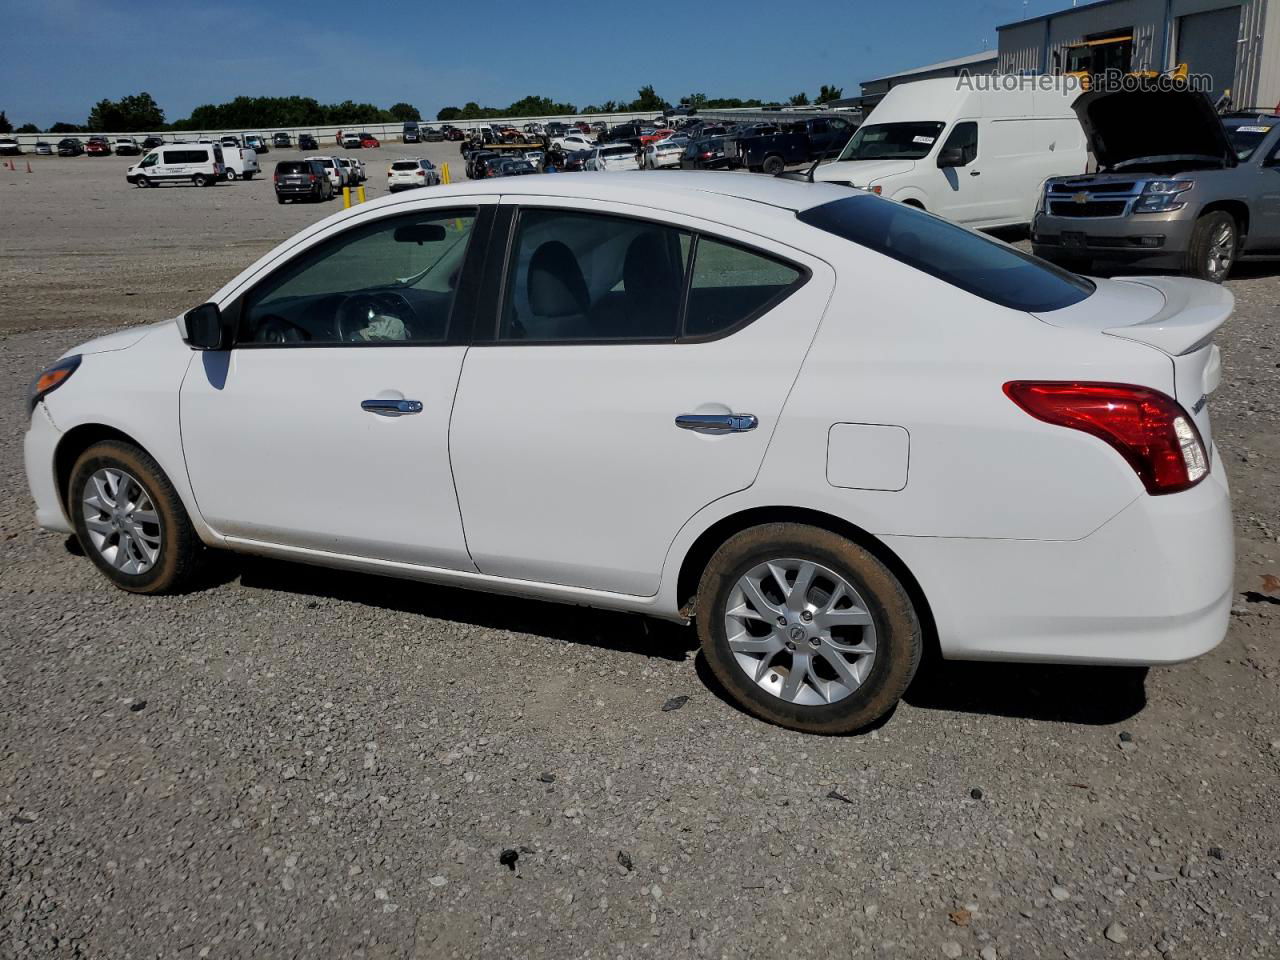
717,422
975,173
391,408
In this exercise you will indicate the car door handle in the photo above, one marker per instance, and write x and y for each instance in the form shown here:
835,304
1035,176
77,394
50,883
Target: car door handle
975,173
717,422
391,408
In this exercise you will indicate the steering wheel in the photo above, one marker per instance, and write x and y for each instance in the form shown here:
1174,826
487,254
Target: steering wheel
357,311
275,329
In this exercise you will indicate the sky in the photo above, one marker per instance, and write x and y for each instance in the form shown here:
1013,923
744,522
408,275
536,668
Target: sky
61,56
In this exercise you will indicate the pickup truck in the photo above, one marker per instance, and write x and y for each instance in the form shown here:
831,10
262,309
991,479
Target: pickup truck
827,135
1177,187
769,152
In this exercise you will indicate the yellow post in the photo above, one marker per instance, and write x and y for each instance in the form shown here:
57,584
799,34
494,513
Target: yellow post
346,198
444,173
360,193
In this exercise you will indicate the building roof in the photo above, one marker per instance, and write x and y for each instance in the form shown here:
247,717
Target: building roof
1058,13
965,61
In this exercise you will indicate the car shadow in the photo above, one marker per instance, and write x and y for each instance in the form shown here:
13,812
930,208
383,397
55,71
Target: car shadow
626,633
1087,695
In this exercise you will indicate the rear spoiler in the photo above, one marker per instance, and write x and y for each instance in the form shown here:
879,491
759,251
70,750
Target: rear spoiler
1193,310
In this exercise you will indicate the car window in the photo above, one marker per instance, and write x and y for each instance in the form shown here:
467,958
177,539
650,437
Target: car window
731,285
582,276
391,281
963,258
964,136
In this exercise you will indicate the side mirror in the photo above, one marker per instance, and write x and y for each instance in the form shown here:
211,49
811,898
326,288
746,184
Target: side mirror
205,328
951,157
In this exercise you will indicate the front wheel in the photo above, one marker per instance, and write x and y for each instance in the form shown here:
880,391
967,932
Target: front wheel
142,182
1212,250
807,629
230,174
130,521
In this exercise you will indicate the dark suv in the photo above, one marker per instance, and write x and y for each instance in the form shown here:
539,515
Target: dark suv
307,142
70,147
302,179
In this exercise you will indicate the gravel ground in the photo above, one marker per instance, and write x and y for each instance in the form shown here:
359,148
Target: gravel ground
296,762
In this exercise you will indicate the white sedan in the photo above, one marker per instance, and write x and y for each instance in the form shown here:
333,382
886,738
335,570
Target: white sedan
828,428
612,157
572,142
663,153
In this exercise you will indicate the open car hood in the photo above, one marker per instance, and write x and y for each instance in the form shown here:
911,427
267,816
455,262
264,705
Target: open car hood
1133,125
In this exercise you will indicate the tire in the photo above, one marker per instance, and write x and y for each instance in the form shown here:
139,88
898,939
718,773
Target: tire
279,198
142,181
773,165
249,176
878,677
1213,248
230,174
200,180
179,551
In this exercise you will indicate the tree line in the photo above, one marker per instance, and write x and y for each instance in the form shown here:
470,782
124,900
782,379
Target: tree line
646,101
140,113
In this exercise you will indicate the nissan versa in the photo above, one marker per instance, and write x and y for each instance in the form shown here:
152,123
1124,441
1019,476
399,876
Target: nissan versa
824,426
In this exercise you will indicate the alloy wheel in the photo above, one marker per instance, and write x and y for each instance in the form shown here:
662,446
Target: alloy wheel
122,520
800,631
1222,249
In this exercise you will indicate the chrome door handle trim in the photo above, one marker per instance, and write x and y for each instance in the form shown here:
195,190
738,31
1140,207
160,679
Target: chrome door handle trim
391,408
717,422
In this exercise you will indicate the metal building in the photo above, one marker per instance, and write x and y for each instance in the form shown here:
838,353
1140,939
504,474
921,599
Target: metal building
874,90
1236,42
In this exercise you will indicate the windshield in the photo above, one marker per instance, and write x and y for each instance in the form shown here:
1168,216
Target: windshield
963,258
1245,137
892,141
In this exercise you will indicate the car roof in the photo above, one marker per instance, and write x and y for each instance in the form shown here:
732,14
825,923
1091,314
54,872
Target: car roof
674,189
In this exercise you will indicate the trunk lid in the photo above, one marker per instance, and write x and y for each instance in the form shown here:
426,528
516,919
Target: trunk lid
1175,315
1132,125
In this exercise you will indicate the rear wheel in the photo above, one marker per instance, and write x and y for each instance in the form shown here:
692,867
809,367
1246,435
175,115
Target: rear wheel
231,174
807,629
1212,250
200,180
773,165
130,521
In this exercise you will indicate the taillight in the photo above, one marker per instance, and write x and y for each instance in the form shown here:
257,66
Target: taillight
1149,429
422,173
313,178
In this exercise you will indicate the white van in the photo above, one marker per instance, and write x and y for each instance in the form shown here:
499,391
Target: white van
199,163
975,150
241,163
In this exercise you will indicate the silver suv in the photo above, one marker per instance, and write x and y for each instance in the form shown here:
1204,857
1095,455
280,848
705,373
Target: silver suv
1177,187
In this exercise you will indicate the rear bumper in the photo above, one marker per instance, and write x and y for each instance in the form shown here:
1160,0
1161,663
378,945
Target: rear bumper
1151,586
38,448
1151,238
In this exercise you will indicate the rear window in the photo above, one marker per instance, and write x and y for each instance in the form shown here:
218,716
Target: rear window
293,166
405,165
976,264
616,151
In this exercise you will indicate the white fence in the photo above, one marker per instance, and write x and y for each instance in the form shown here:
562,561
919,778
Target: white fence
386,132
